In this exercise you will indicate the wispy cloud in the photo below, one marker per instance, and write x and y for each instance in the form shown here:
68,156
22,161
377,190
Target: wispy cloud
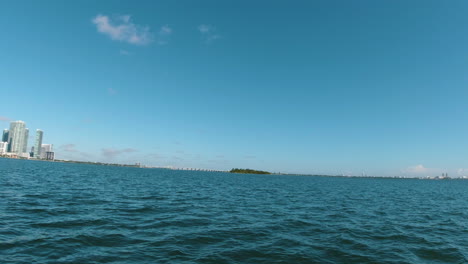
111,153
165,30
69,151
205,29
121,28
111,91
177,158
68,148
164,34
209,33
155,156
462,172
124,52
5,119
218,161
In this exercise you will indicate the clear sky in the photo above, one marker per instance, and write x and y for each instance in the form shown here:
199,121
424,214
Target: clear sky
332,87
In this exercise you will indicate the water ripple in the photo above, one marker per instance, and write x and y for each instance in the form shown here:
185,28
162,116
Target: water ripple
74,213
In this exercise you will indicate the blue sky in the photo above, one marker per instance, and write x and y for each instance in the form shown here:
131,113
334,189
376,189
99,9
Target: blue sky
332,87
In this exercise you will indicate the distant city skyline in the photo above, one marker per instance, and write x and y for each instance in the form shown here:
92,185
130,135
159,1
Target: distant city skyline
317,87
15,142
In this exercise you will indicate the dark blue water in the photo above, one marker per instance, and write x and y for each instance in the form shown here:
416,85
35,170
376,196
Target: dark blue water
72,213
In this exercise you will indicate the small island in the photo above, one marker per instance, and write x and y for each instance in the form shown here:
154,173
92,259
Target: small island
249,171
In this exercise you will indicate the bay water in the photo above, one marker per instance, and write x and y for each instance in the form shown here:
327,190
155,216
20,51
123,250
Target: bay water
54,212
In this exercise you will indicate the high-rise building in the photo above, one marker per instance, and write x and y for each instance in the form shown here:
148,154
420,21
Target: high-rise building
25,142
3,147
38,144
18,137
5,135
46,148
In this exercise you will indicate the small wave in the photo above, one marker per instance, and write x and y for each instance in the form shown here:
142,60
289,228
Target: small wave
72,223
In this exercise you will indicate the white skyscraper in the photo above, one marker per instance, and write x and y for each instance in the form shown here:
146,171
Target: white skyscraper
25,140
3,147
38,144
18,137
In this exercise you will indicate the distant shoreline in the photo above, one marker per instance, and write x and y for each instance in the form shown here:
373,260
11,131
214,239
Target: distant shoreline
78,162
244,171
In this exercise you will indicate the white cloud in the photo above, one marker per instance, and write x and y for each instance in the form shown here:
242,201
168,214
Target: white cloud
416,169
208,32
420,169
122,29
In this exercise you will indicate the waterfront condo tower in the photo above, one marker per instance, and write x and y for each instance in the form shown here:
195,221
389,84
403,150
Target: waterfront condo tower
38,144
5,135
25,140
18,137
3,147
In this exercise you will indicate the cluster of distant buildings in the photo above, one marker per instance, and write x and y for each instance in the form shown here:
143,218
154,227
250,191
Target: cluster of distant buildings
443,177
14,143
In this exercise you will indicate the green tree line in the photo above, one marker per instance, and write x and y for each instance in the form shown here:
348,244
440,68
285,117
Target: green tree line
236,170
